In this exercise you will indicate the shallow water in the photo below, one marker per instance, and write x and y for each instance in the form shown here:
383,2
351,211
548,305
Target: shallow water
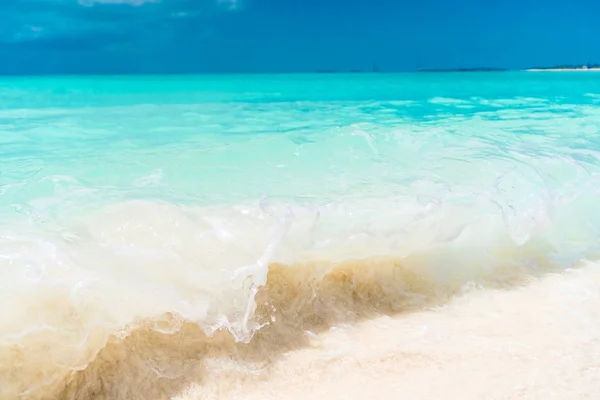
158,230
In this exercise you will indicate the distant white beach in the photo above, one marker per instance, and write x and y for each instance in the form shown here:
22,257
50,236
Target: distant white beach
563,70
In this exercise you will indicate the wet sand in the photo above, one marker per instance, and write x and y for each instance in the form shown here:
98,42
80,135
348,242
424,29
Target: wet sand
540,341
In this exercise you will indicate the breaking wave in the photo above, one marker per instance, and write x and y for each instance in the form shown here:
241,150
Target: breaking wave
133,301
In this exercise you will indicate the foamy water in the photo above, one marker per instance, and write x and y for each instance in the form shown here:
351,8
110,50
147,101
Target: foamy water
226,238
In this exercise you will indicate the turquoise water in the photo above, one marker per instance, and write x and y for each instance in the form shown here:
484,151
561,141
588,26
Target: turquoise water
133,205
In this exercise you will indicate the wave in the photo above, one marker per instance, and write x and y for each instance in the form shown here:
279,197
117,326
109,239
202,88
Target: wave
142,298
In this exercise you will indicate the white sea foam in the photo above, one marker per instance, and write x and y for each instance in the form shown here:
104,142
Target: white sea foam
146,268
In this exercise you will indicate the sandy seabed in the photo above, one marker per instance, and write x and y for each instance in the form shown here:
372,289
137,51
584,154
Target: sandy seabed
540,341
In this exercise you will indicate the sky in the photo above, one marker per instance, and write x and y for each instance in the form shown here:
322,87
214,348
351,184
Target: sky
212,36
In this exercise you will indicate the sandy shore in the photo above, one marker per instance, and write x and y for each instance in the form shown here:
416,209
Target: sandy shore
563,70
541,341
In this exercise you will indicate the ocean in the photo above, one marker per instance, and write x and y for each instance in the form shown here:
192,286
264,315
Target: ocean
430,235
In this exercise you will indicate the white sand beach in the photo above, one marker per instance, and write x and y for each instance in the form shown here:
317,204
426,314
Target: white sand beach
541,341
563,70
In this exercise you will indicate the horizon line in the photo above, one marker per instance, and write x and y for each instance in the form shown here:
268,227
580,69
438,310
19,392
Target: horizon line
565,67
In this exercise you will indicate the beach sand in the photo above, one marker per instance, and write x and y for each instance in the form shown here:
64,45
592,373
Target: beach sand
540,341
563,70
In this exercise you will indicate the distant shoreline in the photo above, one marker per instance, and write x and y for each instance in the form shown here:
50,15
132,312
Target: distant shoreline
563,70
316,72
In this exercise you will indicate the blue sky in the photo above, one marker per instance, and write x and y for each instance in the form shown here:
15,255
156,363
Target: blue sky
172,36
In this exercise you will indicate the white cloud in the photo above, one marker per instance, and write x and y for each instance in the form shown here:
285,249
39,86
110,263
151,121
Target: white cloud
29,32
232,5
89,3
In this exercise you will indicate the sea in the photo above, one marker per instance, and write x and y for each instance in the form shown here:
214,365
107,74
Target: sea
351,236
